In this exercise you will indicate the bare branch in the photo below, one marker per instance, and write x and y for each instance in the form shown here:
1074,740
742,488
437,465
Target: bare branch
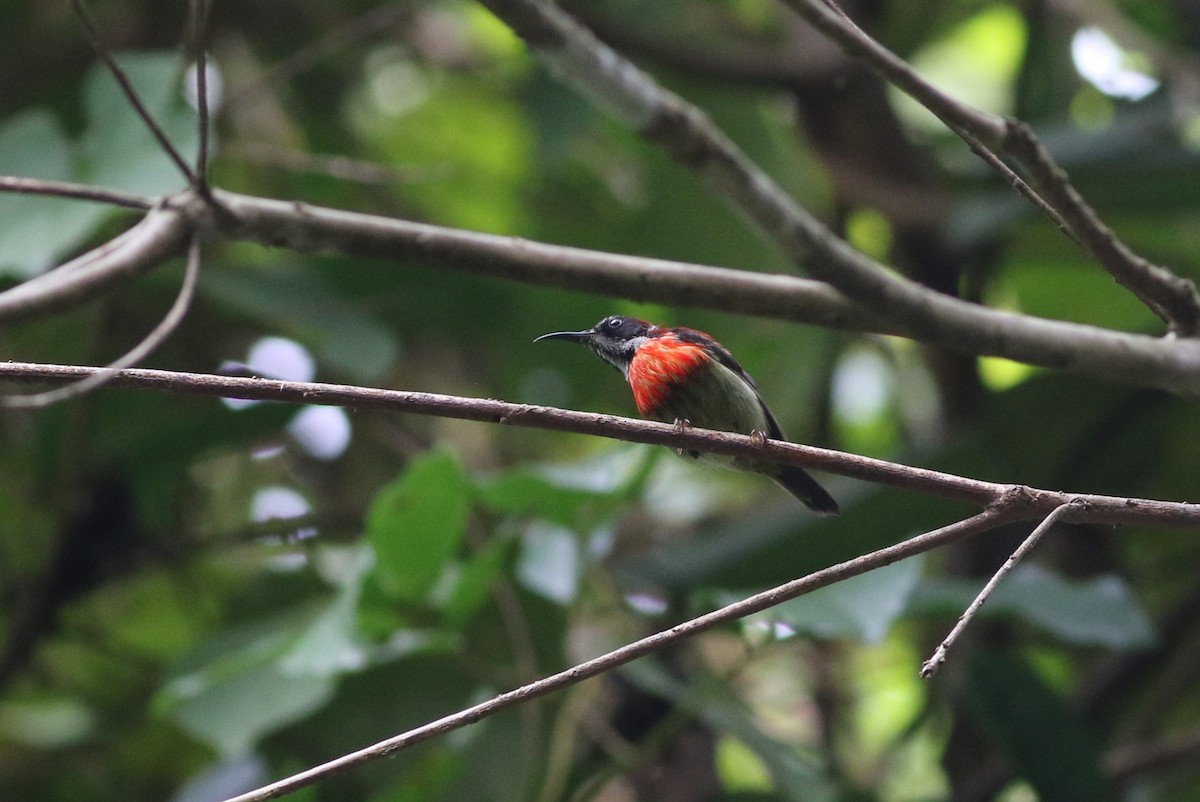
65,189
1033,503
930,666
1017,183
970,328
989,519
1139,360
162,234
147,346
1171,297
198,13
688,135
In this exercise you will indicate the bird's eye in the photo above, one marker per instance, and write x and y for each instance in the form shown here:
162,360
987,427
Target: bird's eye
614,323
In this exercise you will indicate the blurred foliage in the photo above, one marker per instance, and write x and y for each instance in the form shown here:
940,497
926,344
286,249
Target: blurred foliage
198,597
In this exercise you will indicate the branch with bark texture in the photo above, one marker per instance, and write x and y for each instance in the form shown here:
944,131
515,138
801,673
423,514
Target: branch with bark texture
1036,504
1001,504
1139,360
930,666
687,134
1171,297
989,519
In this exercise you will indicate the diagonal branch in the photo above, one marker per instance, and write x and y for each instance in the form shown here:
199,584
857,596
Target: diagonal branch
984,521
689,136
66,189
89,26
1138,360
930,666
1025,502
198,14
1171,297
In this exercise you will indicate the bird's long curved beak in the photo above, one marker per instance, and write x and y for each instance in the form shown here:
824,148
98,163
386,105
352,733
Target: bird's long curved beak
573,336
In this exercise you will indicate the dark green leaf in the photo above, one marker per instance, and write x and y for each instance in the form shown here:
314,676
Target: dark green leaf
415,525
1044,738
1099,611
35,231
861,607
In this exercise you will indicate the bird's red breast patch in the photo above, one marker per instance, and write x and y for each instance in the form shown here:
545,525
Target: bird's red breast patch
659,365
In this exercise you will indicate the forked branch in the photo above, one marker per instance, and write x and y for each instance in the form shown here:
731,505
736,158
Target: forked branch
930,666
1171,297
988,519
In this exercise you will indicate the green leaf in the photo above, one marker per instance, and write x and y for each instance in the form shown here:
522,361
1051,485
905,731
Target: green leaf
579,495
118,150
527,493
1044,738
861,607
475,579
415,525
36,231
232,690
331,644
1100,611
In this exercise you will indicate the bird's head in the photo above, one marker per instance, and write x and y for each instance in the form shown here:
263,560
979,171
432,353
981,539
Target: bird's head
615,339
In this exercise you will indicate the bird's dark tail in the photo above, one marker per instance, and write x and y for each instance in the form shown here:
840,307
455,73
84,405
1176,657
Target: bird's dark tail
797,482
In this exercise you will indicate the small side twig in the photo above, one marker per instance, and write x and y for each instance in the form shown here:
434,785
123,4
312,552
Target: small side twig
161,235
66,189
147,346
930,666
131,94
198,16
1020,185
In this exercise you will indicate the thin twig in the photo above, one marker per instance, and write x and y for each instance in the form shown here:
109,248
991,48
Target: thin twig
66,189
930,666
342,168
147,346
198,15
131,94
1017,183
1037,502
982,522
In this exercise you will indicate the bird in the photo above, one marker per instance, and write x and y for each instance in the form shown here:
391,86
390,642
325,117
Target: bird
683,376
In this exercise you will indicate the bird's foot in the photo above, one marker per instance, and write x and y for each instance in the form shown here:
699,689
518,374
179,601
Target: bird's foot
681,426
760,438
